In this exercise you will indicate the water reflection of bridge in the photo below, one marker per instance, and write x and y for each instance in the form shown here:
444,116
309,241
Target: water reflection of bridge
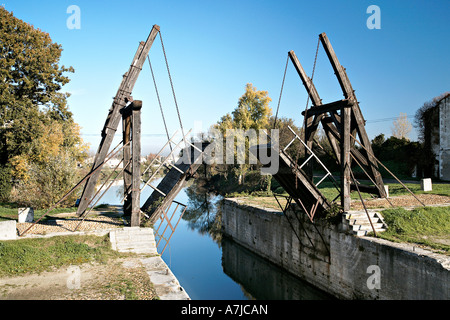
262,279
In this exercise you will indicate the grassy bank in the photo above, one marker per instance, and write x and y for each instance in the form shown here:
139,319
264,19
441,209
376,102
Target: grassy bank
37,255
428,226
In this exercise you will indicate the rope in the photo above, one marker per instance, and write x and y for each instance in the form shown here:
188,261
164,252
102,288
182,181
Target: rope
173,91
159,101
281,92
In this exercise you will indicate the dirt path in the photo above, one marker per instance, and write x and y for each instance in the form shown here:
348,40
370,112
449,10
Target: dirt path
120,279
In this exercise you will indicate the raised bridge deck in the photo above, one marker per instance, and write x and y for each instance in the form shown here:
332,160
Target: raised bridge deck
303,191
169,187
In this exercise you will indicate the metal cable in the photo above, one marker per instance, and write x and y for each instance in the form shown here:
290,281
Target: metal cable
281,92
160,105
173,91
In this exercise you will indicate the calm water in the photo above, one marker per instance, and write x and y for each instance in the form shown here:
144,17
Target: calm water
212,267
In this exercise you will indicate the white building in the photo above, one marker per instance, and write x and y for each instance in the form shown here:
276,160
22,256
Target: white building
440,142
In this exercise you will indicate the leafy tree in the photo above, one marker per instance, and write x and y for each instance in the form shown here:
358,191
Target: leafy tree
30,96
296,149
36,126
252,112
253,109
377,144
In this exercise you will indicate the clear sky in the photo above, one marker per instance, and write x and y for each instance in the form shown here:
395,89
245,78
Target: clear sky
215,47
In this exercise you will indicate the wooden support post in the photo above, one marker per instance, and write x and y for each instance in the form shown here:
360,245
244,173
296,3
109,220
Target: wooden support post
345,158
127,174
136,163
113,119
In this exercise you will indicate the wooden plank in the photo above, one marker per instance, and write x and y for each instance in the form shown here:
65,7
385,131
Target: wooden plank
113,118
136,163
127,175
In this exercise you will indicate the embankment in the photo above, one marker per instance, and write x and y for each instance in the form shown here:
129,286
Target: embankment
335,261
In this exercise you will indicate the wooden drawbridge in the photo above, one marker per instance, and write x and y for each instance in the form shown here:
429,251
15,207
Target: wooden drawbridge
164,194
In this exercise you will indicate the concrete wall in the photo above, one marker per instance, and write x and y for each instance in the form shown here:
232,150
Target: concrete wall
341,264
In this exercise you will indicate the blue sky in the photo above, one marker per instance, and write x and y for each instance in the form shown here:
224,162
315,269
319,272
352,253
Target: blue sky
215,47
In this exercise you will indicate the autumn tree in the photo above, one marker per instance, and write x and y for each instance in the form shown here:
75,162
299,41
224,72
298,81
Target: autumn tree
401,127
36,126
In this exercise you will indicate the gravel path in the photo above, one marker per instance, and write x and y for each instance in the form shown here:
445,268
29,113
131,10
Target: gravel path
402,201
94,222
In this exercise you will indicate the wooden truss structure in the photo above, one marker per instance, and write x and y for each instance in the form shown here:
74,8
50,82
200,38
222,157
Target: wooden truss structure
342,122
123,107
112,121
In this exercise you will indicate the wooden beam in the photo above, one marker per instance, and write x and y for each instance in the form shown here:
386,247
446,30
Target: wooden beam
338,69
307,82
345,158
113,118
136,107
349,94
329,107
127,175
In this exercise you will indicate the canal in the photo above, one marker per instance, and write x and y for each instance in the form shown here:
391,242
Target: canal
211,267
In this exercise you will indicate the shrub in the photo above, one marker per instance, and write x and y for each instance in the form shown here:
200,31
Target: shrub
5,183
48,183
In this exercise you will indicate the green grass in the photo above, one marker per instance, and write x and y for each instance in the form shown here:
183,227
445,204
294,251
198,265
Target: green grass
428,226
126,287
395,189
42,254
9,211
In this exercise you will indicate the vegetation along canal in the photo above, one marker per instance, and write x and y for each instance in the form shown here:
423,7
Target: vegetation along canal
205,262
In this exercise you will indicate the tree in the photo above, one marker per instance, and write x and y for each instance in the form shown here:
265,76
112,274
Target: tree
252,112
31,79
36,126
253,109
377,144
296,149
401,127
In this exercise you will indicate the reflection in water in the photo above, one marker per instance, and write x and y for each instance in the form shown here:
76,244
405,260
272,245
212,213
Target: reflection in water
257,277
262,279
202,212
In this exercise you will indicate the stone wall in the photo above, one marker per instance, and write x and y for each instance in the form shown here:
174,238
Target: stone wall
341,264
